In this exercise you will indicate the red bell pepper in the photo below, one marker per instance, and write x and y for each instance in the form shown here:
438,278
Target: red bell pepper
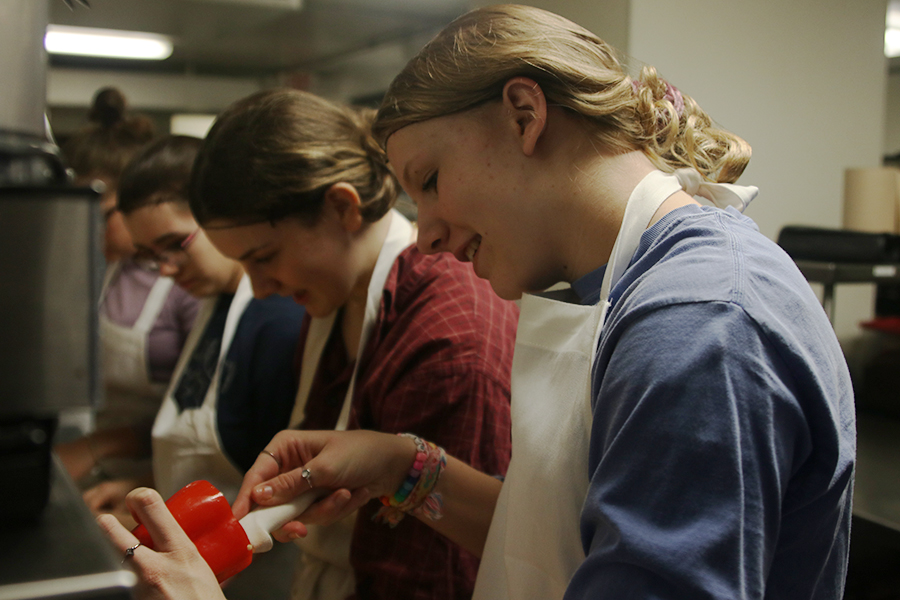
204,514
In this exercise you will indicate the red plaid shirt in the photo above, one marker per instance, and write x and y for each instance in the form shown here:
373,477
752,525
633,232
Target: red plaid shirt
437,365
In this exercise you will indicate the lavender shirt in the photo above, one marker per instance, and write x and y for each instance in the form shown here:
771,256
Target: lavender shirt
124,301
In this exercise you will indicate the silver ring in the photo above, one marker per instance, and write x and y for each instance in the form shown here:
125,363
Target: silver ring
275,458
130,552
307,475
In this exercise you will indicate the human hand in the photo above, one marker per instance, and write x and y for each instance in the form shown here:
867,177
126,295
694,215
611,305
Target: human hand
109,497
358,465
175,569
76,457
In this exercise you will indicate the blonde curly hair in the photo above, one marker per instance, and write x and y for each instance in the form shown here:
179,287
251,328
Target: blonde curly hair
468,63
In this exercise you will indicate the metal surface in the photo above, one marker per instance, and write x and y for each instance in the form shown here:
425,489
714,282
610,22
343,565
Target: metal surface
63,556
23,65
261,38
50,271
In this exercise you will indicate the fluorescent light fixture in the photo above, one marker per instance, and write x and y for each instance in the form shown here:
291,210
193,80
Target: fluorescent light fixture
286,4
106,43
892,43
892,30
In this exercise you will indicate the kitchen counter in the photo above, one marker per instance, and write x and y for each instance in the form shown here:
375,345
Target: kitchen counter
876,497
64,555
875,533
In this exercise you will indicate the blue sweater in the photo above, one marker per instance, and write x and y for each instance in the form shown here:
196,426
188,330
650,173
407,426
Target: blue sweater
259,381
723,440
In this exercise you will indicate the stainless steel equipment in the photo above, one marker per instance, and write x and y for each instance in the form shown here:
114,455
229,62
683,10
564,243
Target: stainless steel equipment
50,266
49,259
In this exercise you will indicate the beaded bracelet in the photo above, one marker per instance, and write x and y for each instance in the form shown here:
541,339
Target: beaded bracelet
416,494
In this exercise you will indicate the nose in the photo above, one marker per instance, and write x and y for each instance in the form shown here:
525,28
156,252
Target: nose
167,269
433,234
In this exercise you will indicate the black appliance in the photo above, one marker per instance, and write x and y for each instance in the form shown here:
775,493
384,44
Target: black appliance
839,245
846,247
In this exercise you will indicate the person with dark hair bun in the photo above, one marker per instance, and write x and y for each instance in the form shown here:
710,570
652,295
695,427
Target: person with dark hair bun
234,384
103,148
108,108
144,318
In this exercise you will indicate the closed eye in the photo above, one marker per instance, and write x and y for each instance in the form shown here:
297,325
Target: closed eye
430,183
262,260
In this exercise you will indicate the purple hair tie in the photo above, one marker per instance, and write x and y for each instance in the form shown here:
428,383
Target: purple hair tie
672,95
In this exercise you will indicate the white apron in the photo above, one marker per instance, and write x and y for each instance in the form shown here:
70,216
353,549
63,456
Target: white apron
186,444
323,571
130,395
534,544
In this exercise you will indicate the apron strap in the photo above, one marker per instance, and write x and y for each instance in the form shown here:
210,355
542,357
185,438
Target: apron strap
154,303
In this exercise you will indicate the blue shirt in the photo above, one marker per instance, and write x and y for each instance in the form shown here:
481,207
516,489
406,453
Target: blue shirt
723,439
258,384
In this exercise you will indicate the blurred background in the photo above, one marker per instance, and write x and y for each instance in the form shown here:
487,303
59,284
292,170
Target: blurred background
806,82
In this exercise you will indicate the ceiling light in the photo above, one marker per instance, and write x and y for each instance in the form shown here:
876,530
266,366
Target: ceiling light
106,43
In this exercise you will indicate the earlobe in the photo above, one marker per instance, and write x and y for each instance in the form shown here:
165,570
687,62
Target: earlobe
525,100
346,202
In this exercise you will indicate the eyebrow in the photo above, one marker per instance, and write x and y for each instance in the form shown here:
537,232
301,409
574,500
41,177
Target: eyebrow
252,251
165,238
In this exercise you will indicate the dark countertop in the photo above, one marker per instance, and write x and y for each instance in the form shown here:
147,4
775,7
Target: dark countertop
64,555
876,496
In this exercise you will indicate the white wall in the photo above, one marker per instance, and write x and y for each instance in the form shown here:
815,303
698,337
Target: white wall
802,81
149,91
608,19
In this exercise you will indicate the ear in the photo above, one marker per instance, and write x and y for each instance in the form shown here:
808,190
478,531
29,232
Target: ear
526,103
345,201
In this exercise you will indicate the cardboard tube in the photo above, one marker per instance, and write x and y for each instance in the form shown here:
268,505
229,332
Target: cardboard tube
871,200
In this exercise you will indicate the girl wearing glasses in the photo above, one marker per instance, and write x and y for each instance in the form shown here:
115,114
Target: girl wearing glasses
235,382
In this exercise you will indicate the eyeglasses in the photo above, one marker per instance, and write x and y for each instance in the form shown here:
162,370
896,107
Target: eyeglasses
174,254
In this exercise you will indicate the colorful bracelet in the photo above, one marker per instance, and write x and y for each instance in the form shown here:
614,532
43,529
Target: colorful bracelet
416,494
